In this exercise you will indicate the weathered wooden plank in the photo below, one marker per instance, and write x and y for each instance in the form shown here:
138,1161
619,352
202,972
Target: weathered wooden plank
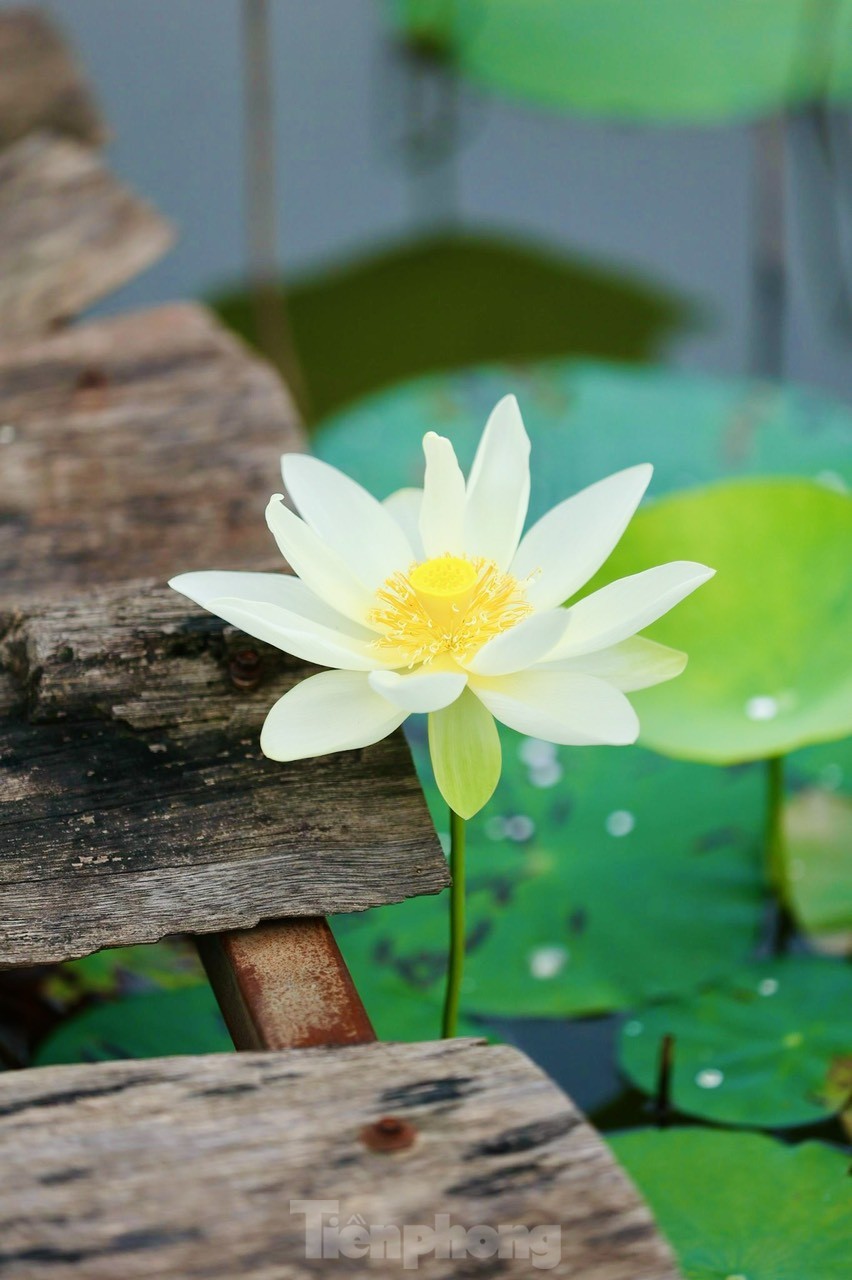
136,803
182,1167
41,85
285,986
136,447
70,233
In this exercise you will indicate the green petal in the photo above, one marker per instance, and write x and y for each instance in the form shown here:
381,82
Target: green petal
466,756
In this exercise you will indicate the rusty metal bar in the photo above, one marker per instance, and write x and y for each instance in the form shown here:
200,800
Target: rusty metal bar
284,985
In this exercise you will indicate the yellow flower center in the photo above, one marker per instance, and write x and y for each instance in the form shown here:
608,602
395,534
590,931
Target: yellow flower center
450,605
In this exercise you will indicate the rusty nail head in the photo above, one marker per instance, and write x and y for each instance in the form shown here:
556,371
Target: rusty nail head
388,1134
245,669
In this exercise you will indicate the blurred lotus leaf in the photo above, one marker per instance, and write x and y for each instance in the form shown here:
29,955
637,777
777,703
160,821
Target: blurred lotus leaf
741,1205
769,638
597,879
122,971
661,60
838,1090
757,1050
455,300
587,419
817,852
400,1012
164,1023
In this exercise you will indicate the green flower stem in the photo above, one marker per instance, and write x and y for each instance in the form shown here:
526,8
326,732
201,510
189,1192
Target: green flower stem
457,929
783,926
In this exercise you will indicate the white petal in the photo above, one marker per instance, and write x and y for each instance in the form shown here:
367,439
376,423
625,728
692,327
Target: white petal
280,589
498,490
421,691
442,514
332,711
568,545
636,663
320,568
574,710
349,520
528,642
304,638
404,506
626,606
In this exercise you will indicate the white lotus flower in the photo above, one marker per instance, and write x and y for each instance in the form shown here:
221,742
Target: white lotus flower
432,601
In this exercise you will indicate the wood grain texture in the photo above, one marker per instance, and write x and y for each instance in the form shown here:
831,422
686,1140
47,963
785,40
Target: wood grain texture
135,801
135,447
186,1167
41,85
70,233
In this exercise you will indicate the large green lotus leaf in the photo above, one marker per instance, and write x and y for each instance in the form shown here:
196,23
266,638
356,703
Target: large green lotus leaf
666,60
741,1206
817,853
588,419
185,1020
769,637
454,300
597,879
757,1050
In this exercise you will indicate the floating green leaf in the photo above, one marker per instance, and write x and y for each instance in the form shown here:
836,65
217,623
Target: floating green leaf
757,1050
164,1023
769,638
597,879
666,60
441,303
817,851
743,1206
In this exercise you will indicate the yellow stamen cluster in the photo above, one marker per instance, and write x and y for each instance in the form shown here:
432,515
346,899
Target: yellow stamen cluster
448,605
